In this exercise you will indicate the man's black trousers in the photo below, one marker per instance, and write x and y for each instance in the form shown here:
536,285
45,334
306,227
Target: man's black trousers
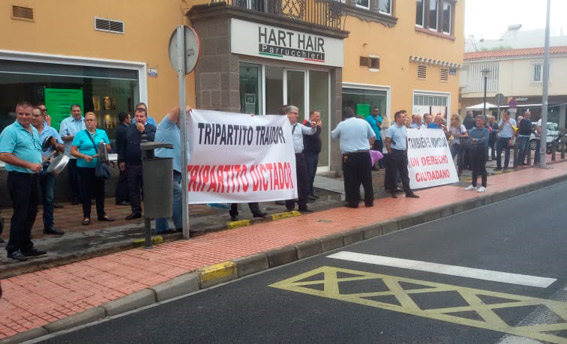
399,160
23,189
357,169
302,188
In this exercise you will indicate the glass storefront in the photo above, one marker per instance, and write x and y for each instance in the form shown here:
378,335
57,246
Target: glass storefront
104,91
304,88
362,100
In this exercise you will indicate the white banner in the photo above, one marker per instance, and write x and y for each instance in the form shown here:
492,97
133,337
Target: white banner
238,158
429,159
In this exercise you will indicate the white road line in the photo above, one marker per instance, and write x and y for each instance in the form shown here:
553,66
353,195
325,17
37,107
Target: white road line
487,275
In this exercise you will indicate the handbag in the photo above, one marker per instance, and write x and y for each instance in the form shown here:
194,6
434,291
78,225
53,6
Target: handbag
102,170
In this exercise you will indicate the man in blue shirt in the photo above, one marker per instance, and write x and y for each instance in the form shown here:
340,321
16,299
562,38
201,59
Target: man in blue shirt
356,137
47,180
20,149
396,144
375,121
67,130
168,131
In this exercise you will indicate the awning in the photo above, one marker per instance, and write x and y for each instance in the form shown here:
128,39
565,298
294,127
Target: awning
481,106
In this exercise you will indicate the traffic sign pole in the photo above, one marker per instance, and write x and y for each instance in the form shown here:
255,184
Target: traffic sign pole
182,126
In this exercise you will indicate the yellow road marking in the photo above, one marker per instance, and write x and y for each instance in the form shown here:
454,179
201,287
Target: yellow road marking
237,224
485,304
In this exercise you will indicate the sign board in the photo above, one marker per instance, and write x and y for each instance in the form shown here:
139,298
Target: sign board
255,39
499,99
237,158
192,49
429,159
512,103
363,110
58,103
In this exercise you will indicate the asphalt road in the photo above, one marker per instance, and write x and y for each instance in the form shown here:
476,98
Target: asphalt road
328,300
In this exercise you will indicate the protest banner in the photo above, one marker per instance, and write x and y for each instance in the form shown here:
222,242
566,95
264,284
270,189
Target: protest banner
429,159
237,158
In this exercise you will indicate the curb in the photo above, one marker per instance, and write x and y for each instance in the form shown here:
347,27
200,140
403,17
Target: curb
233,269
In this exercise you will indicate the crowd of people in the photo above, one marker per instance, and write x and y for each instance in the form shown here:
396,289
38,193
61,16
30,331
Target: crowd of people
29,144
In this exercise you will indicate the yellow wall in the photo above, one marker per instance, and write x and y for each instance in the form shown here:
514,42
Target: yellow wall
394,46
66,27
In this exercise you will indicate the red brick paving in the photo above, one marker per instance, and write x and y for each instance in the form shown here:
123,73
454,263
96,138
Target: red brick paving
35,299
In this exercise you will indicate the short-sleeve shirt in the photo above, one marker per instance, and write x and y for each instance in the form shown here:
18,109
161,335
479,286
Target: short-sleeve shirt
47,132
71,126
353,134
15,139
169,133
457,132
507,130
86,146
398,134
375,123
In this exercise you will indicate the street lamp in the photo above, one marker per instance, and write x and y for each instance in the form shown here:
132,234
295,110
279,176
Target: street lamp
485,72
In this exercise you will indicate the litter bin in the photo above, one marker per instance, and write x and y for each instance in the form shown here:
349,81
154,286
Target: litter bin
158,182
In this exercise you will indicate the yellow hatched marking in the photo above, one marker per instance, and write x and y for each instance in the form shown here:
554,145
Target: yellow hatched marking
488,318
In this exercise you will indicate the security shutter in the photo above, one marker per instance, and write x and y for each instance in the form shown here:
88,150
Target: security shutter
422,72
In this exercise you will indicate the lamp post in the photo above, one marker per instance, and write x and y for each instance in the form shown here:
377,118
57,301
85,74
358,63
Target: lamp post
485,72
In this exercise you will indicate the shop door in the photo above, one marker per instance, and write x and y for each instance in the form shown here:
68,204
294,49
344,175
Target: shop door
294,91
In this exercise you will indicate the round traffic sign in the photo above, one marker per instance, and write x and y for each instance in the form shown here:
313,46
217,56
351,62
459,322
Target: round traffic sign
499,99
192,49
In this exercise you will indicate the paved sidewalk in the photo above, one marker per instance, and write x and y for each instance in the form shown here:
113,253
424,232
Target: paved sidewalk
35,300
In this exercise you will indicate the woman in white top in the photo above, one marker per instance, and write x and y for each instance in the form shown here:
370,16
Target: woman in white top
458,138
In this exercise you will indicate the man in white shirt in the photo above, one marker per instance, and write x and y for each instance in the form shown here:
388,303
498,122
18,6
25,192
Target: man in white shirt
297,132
356,137
67,130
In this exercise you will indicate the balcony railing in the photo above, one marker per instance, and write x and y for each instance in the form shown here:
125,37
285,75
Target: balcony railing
319,12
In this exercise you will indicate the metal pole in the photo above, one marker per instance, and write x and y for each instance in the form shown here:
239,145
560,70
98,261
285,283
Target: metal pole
182,121
543,145
484,104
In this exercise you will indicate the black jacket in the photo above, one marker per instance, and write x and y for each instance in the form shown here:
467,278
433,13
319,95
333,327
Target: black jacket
130,146
120,139
312,143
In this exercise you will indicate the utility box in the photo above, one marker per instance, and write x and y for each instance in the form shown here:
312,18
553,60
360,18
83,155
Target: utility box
158,181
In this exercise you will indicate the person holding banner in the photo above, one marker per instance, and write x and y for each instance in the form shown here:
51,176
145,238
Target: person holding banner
297,132
396,144
356,137
479,137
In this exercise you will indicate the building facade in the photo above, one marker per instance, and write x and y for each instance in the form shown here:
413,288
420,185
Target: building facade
517,74
256,55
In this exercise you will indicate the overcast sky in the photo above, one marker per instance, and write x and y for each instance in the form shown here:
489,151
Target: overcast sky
489,19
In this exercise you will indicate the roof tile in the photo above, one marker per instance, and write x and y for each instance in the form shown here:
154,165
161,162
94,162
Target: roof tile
513,53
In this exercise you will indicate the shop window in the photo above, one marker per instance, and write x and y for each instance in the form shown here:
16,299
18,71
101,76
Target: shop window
430,103
422,72
362,100
435,15
105,91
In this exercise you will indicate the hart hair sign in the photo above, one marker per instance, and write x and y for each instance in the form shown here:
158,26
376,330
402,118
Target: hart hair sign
238,158
261,40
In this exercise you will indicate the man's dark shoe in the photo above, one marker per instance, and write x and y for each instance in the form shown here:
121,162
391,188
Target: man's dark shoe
169,231
33,252
369,205
52,231
1,241
133,216
314,195
350,206
311,197
498,169
260,214
17,255
305,210
233,217
57,206
412,195
105,218
123,203
393,193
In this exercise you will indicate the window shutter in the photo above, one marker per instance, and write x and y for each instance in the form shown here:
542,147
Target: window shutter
422,72
22,13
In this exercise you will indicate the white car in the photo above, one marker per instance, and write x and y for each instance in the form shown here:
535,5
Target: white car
552,132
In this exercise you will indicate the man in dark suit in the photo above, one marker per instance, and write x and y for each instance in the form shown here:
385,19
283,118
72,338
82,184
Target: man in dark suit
131,156
122,194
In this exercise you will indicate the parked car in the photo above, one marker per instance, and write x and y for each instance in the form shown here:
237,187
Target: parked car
552,132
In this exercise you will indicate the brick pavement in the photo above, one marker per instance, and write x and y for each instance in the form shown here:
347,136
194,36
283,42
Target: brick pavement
35,299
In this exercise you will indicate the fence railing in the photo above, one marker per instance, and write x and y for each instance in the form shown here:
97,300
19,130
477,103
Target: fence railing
319,12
